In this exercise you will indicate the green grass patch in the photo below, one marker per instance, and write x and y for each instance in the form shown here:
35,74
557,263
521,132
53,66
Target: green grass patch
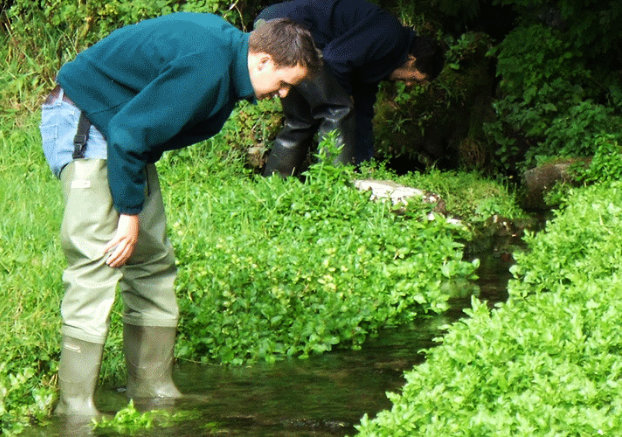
468,195
30,285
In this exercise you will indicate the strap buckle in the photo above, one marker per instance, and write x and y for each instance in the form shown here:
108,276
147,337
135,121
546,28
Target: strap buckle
82,137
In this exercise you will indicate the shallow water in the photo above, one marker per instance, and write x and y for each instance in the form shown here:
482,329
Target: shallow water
322,396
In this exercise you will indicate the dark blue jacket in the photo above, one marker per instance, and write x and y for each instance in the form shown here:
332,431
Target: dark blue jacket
361,43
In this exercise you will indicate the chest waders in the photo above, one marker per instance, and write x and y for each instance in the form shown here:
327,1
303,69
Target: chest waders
148,350
80,361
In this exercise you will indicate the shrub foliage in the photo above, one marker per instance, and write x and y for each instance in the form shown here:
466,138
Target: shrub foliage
302,267
548,361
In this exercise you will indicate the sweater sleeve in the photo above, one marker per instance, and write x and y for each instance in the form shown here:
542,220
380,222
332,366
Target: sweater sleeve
173,100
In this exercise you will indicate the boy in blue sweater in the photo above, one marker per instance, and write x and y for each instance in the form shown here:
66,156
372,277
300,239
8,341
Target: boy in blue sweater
362,45
161,84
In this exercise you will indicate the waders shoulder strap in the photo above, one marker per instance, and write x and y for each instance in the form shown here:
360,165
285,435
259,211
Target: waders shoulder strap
82,136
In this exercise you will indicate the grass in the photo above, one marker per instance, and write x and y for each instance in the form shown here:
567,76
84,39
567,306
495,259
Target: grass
29,253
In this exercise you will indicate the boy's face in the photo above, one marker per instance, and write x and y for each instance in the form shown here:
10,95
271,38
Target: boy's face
408,73
268,80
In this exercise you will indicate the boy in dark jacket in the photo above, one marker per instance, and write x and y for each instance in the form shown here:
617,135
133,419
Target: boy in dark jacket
161,84
362,44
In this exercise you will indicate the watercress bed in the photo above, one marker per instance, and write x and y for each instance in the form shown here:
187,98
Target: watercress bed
546,363
278,267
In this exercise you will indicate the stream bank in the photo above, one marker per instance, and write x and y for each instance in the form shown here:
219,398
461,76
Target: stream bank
325,395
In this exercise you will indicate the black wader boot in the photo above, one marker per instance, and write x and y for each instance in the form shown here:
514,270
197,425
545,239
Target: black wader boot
317,105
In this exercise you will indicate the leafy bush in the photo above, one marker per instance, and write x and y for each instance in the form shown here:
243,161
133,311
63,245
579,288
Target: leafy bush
590,26
606,165
548,361
276,268
39,37
92,20
540,77
557,89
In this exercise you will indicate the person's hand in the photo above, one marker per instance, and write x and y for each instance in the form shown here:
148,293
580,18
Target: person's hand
122,245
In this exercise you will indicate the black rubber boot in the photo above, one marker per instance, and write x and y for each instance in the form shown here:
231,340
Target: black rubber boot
291,145
319,105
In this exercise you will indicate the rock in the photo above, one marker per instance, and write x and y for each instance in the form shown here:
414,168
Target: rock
540,180
256,156
396,192
399,194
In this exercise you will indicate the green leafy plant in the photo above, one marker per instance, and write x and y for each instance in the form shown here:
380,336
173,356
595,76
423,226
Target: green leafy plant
606,165
548,361
540,78
130,421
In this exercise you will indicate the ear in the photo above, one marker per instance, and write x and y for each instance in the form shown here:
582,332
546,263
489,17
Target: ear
263,60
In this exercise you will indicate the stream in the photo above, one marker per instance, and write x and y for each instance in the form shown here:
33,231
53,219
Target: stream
324,395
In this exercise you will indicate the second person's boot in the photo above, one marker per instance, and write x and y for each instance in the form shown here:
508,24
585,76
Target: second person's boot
149,358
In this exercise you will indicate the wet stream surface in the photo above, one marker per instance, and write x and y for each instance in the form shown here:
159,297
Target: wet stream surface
322,396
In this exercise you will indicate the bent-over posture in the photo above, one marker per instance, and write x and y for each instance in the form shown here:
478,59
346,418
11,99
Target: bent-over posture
362,45
162,84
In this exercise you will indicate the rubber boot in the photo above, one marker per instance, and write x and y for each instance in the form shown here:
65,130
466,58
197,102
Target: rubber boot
319,105
78,372
149,359
291,145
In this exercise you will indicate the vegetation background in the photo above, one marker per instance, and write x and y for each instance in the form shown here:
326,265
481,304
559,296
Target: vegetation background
271,269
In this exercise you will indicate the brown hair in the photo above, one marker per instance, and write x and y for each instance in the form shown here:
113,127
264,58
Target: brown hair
288,43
